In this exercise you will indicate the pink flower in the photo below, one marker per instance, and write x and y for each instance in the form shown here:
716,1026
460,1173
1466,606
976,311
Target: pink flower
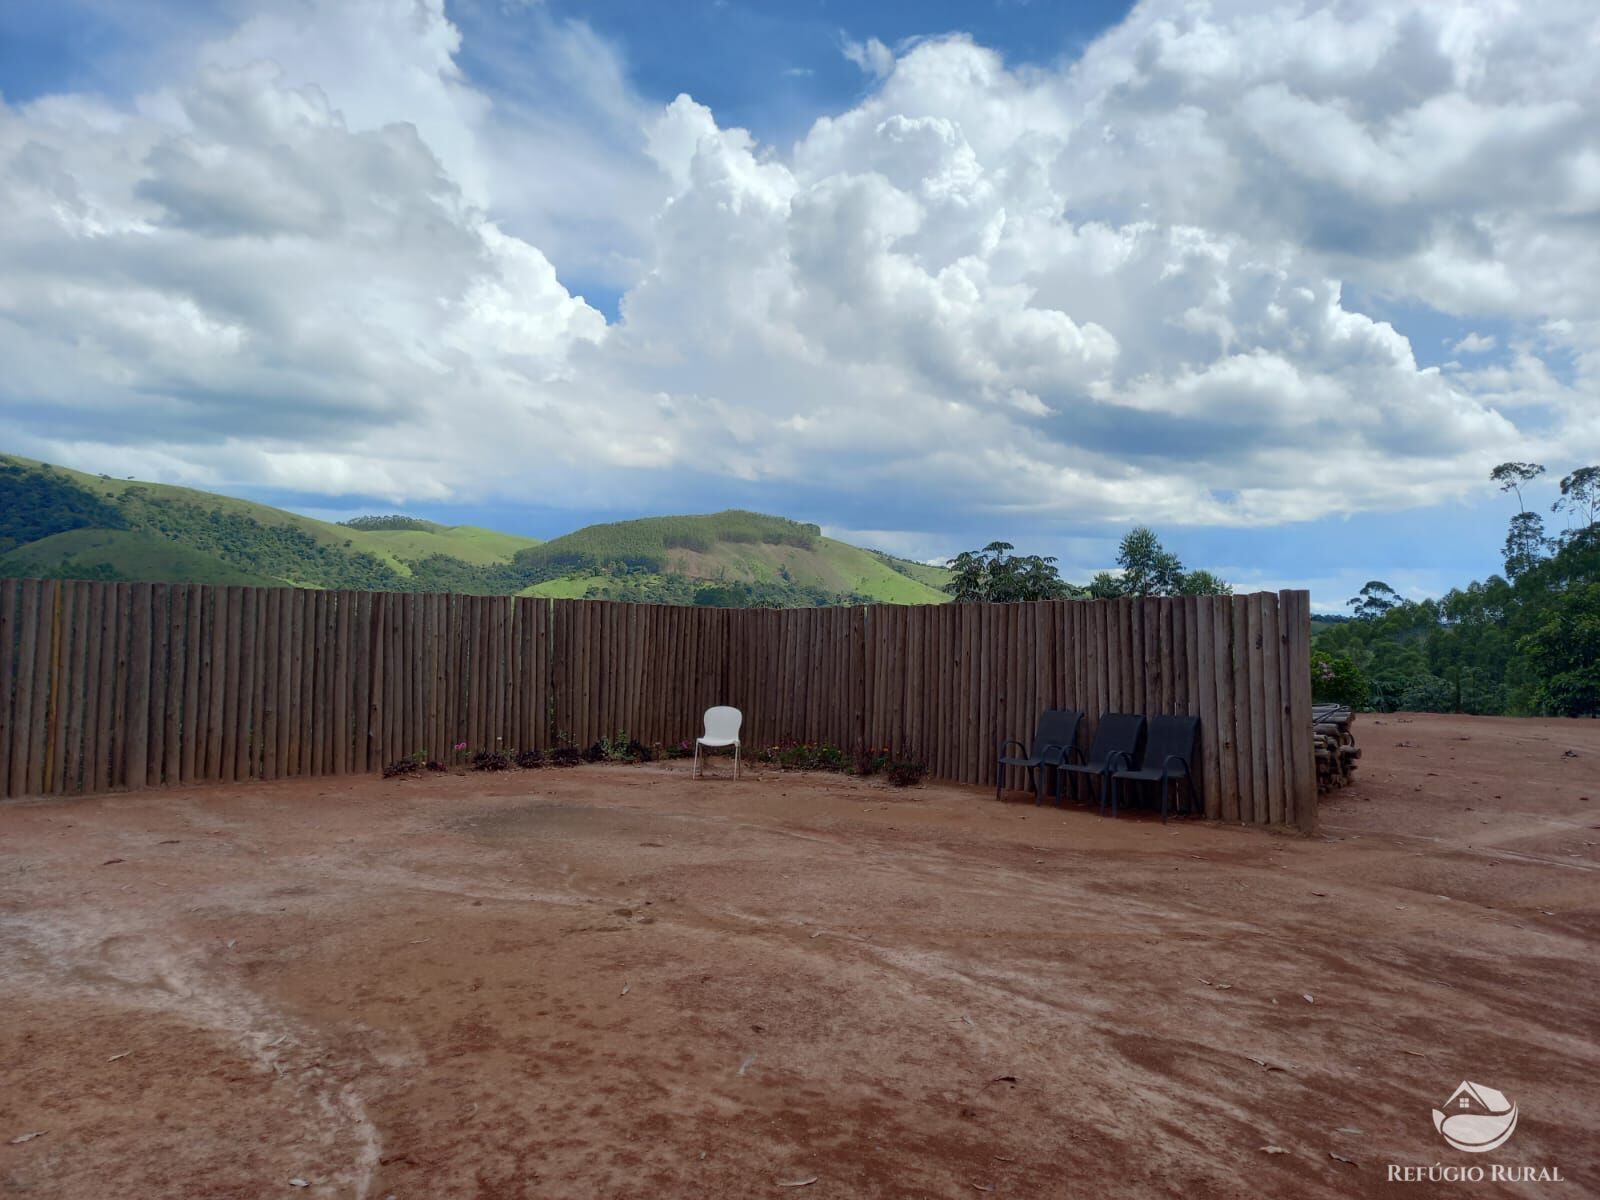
461,745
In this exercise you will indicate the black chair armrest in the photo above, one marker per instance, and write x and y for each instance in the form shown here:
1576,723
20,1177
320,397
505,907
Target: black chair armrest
1175,758
1114,756
1001,753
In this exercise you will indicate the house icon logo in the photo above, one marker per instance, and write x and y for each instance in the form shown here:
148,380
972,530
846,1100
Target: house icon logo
1476,1118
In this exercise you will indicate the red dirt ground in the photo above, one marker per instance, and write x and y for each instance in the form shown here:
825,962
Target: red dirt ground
619,982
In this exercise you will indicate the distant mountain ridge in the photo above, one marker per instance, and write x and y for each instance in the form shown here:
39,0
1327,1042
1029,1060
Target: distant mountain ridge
61,523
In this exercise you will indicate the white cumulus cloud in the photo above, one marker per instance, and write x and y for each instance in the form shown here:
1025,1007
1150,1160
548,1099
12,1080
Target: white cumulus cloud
324,257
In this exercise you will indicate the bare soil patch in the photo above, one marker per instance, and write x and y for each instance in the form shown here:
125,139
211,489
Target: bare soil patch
619,982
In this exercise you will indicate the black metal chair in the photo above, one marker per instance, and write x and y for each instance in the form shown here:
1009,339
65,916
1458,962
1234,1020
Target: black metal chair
1053,741
1168,754
1116,746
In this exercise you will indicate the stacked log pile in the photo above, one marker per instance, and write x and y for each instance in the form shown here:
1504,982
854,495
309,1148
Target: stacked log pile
1335,745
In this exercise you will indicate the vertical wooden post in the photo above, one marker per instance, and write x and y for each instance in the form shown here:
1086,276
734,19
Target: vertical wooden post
156,725
138,693
122,665
100,736
196,675
61,684
80,696
177,675
1210,726
341,659
1226,734
8,678
1297,717
293,632
1260,796
242,656
274,672
224,632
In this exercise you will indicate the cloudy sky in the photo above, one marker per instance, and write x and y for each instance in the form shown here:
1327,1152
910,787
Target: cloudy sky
1283,279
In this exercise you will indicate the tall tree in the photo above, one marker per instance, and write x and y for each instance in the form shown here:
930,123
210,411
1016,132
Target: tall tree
1565,653
1580,496
995,575
1512,475
1204,583
1374,601
1148,569
1526,544
1105,586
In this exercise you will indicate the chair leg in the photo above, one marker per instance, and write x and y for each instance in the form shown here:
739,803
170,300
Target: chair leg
736,760
694,772
1036,777
1163,797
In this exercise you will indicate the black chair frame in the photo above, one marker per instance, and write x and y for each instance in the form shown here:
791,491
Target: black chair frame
1115,757
1056,723
1165,732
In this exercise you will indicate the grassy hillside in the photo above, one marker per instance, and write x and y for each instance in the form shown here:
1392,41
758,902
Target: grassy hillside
727,554
395,548
923,573
468,543
245,537
121,554
58,522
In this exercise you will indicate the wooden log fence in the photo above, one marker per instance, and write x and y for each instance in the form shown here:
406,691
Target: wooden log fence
132,685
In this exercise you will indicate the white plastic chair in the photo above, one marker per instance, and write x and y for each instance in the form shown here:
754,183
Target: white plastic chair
722,729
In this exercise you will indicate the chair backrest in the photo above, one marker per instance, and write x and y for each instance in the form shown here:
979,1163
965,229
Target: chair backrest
1172,736
1057,733
723,722
1118,731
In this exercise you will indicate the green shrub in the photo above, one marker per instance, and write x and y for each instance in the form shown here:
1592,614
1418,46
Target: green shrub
491,760
1428,693
906,771
1335,679
790,755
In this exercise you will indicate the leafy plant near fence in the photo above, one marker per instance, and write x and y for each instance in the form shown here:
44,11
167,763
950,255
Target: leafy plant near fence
791,755
905,771
901,769
414,765
620,748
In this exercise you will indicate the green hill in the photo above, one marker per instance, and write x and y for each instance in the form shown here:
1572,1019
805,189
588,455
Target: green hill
265,543
121,554
726,558
59,522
